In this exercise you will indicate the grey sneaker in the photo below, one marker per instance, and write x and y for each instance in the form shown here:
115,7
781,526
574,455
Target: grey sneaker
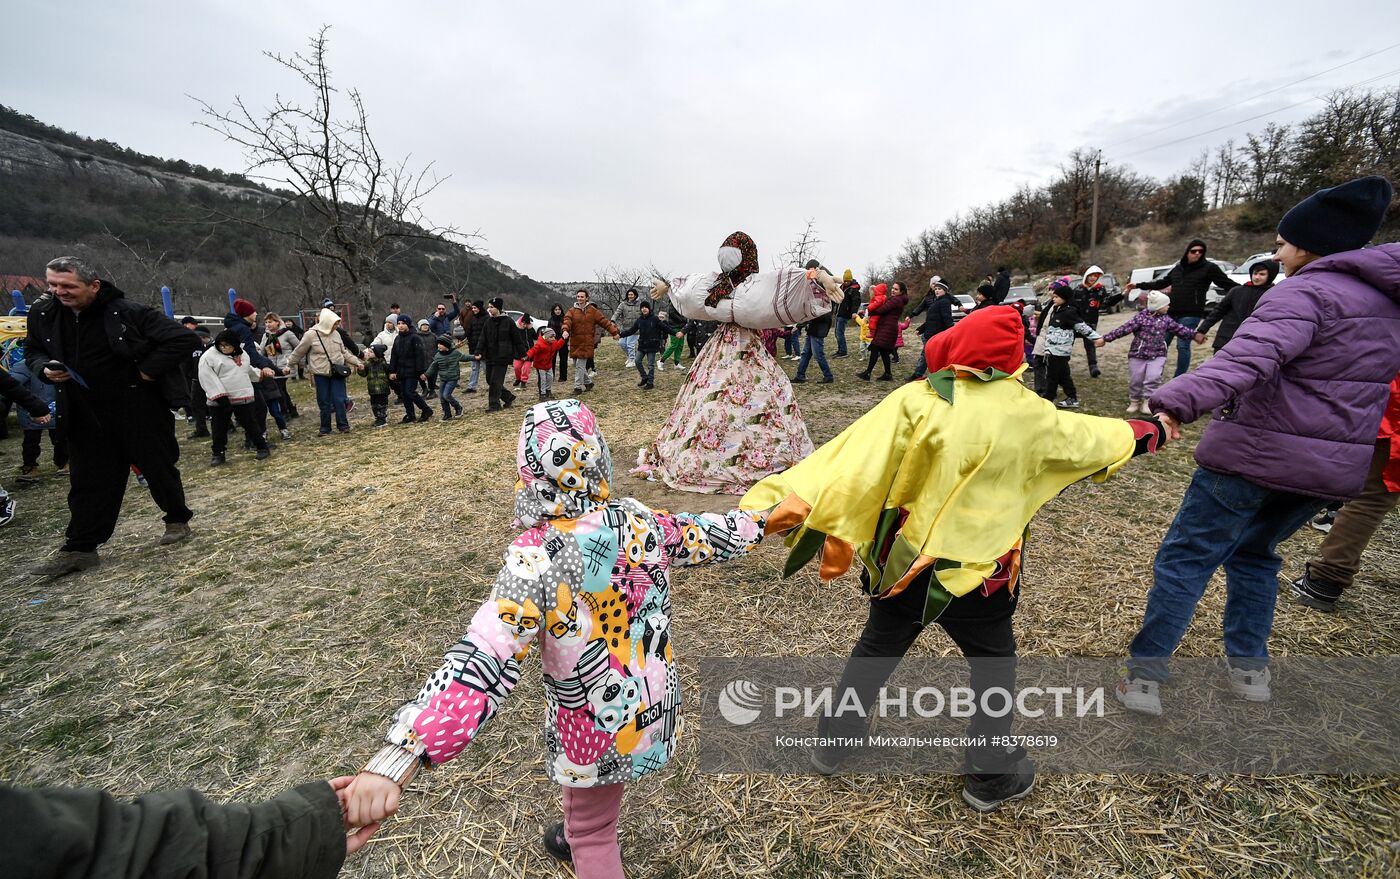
1251,684
1139,694
175,532
68,562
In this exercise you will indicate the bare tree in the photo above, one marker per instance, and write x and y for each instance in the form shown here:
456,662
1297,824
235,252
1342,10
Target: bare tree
338,200
800,249
612,282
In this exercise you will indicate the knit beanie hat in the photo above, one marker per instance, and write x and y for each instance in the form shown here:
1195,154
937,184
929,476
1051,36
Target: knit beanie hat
379,348
1338,218
847,276
404,319
547,334
423,323
936,283
244,308
445,341
1157,300
228,337
497,303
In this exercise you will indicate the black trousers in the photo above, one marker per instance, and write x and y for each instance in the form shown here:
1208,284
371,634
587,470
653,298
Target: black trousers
30,447
289,408
884,357
496,385
129,427
221,414
563,358
198,407
981,628
1057,376
379,406
409,395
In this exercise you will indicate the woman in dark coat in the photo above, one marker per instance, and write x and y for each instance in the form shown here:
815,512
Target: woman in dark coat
556,323
882,344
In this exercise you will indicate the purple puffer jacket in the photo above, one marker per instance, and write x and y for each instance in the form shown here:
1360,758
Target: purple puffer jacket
1299,391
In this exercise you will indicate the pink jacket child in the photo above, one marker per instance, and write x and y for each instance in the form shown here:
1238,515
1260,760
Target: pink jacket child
588,582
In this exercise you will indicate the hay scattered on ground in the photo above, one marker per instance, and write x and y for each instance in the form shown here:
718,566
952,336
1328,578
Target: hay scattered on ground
324,584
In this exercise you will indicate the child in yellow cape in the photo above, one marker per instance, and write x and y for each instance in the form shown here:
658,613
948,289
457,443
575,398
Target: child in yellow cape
933,490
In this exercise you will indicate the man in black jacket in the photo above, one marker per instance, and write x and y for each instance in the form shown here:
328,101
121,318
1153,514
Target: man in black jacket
408,365
850,304
475,327
1001,286
116,371
67,834
1189,281
937,309
501,343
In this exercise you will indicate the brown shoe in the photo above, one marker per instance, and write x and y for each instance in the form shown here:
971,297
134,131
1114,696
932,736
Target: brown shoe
175,532
68,562
28,476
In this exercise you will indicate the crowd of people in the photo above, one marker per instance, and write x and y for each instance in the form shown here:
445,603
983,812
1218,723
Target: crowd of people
1304,391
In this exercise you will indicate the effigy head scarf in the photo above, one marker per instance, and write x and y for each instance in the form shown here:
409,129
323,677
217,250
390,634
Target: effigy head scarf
564,468
738,258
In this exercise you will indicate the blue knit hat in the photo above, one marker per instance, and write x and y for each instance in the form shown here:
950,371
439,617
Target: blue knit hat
1339,218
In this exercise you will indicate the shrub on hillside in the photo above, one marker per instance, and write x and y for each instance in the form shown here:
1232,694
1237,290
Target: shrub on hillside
1048,255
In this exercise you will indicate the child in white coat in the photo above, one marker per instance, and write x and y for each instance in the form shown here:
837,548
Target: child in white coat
227,378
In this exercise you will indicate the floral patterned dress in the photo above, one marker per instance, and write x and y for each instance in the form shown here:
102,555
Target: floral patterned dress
735,421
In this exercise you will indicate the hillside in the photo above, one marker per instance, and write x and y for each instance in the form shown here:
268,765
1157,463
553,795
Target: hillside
146,222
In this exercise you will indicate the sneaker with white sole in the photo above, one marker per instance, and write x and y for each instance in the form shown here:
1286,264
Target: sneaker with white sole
1139,694
1251,684
1309,593
1323,521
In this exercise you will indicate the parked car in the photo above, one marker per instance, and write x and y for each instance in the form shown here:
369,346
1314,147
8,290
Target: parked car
1241,274
1024,293
962,306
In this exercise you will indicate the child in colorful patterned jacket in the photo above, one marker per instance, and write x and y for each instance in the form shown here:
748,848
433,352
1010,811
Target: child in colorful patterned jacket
589,581
1148,354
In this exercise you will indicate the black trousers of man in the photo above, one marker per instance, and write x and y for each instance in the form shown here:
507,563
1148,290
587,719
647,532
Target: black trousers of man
198,408
981,628
125,427
221,414
496,386
409,395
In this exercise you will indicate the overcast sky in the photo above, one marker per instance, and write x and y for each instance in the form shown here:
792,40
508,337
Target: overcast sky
578,135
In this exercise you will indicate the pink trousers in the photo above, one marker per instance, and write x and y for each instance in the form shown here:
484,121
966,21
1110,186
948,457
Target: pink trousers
522,370
590,826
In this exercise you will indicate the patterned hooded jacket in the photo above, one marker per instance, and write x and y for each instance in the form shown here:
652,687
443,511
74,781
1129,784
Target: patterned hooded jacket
589,583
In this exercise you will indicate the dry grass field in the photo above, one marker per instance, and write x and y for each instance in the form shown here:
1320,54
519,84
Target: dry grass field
324,584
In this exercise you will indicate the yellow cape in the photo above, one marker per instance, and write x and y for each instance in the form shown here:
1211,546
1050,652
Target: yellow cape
970,472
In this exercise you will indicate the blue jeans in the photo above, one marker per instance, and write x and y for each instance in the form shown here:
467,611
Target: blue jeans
791,342
445,390
1183,346
922,366
1223,520
476,375
646,366
841,334
813,347
330,398
628,344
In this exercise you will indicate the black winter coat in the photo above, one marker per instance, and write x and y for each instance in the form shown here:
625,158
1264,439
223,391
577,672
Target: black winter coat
1189,283
156,345
938,315
77,834
651,334
474,331
887,329
407,358
1000,287
1232,311
501,341
850,302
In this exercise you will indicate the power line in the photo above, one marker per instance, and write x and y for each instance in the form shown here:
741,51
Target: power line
1307,100
1251,98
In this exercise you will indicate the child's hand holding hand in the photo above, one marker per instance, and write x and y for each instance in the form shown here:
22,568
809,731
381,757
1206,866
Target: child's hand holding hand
370,799
355,841
1099,343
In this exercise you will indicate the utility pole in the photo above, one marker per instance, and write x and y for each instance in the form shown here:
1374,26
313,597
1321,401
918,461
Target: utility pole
1094,214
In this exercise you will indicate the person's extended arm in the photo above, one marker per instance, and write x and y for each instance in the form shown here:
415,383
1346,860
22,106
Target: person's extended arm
63,833
171,343
1161,283
1280,329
